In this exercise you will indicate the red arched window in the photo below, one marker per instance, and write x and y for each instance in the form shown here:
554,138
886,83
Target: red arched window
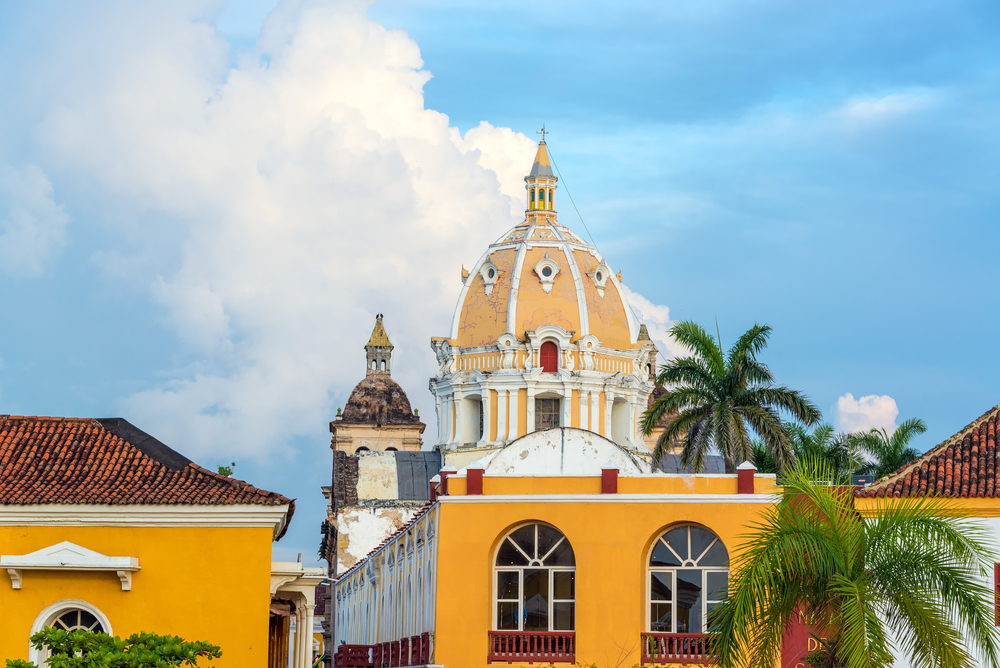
549,356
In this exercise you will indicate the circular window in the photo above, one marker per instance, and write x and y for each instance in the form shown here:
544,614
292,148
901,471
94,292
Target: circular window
490,273
598,275
78,620
546,271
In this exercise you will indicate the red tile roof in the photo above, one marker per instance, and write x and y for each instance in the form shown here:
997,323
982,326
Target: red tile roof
965,465
82,460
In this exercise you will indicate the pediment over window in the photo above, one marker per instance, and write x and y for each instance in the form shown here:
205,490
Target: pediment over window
67,556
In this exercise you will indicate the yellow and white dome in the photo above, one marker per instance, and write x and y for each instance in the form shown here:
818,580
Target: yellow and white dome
542,337
542,273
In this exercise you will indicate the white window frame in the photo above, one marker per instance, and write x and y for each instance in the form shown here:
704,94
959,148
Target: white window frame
47,616
520,580
686,565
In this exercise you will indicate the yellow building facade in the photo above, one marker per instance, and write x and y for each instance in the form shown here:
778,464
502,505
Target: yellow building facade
570,569
104,528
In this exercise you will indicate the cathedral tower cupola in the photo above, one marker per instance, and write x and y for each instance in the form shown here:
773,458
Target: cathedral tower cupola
541,183
378,349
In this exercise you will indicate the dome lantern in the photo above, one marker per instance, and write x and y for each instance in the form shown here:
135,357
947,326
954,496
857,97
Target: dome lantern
378,350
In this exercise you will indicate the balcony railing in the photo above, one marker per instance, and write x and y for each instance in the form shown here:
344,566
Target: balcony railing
676,648
532,646
412,651
353,656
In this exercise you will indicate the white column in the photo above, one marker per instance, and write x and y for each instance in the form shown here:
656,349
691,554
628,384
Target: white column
531,408
567,407
456,405
633,419
609,400
440,418
512,432
584,404
595,411
502,416
297,659
307,637
487,416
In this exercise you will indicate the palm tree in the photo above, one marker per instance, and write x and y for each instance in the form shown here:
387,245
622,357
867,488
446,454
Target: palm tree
891,453
911,570
839,453
719,398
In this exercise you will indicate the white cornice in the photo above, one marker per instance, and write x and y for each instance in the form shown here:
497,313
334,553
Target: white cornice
81,515
615,498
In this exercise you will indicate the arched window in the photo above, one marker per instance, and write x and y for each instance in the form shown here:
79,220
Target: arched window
688,577
69,615
362,449
535,581
78,620
391,450
548,357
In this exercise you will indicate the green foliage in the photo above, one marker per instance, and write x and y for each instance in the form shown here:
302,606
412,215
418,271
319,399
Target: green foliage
837,453
891,453
720,399
226,470
913,570
85,649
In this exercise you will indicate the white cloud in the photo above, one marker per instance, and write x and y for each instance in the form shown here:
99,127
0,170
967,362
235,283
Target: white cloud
32,225
300,193
864,413
886,107
658,324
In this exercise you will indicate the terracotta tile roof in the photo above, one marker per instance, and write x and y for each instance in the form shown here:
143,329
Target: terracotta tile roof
965,465
80,460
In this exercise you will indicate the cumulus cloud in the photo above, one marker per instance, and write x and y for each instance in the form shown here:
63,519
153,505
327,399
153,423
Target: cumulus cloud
32,225
302,191
658,324
864,413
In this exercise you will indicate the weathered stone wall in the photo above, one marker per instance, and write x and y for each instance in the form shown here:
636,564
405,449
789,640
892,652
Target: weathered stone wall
345,481
360,529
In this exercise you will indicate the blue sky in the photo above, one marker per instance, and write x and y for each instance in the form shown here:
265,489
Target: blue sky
203,205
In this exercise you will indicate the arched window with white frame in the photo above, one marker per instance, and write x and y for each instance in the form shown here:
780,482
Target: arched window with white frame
68,615
535,581
688,576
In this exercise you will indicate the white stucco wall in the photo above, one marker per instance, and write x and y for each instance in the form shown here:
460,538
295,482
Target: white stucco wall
564,451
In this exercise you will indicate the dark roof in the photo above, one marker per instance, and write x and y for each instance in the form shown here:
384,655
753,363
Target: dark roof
672,464
965,465
414,471
378,399
109,461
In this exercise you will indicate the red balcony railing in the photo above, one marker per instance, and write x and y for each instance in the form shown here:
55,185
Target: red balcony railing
353,656
532,646
676,648
425,649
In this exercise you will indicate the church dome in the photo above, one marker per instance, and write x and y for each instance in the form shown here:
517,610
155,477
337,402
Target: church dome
378,399
542,273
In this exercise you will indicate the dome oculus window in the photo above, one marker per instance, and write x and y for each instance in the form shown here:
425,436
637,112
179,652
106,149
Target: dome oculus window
600,277
547,270
688,576
490,274
535,580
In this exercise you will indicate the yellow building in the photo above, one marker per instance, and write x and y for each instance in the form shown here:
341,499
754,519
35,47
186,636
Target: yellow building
103,527
614,567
